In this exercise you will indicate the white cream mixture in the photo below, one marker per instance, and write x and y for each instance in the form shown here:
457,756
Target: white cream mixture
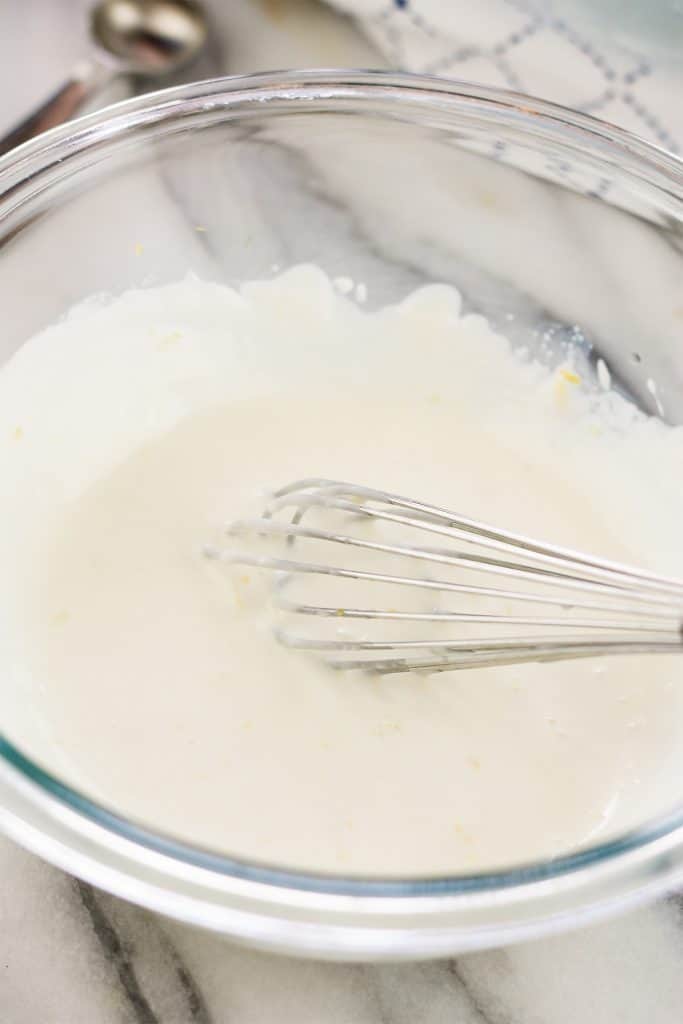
136,427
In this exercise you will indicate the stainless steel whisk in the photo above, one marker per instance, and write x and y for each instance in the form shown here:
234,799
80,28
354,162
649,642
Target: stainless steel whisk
592,606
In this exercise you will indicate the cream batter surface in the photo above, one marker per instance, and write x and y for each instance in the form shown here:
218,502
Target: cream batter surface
134,429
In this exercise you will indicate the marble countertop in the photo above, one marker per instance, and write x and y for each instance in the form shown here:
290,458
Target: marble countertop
72,955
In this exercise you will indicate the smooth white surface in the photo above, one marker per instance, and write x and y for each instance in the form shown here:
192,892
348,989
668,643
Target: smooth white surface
56,968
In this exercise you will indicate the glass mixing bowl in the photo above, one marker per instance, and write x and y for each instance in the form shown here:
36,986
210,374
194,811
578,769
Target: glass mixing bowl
562,230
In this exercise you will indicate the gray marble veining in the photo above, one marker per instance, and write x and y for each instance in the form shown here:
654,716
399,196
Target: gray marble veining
70,955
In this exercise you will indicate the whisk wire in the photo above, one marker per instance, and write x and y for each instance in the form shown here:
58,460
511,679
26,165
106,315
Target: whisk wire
648,607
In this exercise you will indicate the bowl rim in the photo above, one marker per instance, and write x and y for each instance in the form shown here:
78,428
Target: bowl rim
643,857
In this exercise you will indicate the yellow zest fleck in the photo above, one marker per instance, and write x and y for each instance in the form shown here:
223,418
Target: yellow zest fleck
487,199
60,618
200,228
434,399
245,579
169,339
340,612
139,249
475,763
462,833
564,377
387,728
17,433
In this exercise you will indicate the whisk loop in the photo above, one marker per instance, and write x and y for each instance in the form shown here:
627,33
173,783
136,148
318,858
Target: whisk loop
495,579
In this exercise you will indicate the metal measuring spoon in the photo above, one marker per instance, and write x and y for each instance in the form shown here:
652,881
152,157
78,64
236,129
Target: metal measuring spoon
141,37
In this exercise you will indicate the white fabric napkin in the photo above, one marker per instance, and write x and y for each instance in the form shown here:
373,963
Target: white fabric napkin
619,60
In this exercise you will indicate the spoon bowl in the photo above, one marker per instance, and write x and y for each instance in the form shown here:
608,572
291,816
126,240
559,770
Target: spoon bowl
150,37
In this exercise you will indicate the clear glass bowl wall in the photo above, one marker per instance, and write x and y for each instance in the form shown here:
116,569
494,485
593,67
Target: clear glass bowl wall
558,228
